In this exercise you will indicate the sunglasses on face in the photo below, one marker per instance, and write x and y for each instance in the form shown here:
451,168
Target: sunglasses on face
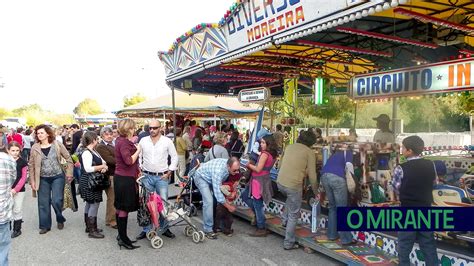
154,128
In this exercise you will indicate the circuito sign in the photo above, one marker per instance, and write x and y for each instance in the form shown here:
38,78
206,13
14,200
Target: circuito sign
442,77
254,95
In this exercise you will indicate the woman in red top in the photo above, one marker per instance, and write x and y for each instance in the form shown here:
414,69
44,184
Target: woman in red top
126,172
259,189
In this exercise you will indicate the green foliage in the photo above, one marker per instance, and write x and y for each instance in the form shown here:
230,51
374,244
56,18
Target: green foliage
35,115
132,100
434,114
4,113
88,107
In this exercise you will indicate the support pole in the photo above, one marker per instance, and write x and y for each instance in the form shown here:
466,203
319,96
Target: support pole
174,115
394,117
355,115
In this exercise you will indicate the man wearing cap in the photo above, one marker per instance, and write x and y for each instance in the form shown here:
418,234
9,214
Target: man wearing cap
384,134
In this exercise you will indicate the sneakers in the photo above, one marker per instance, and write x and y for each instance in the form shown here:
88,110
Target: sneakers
211,235
44,231
295,246
60,226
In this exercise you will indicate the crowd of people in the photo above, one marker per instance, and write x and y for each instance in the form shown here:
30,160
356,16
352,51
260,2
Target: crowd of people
112,158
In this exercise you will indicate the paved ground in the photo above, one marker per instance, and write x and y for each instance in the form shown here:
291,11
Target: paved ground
72,246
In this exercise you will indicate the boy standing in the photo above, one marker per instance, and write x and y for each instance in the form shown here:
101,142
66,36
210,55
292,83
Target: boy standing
413,183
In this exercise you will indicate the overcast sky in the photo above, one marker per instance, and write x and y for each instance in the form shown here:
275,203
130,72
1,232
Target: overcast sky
58,52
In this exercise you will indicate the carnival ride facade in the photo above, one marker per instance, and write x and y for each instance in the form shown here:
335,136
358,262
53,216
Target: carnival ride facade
416,47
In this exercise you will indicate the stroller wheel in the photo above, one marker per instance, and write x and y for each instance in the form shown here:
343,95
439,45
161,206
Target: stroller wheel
193,210
201,234
188,230
150,235
156,242
196,237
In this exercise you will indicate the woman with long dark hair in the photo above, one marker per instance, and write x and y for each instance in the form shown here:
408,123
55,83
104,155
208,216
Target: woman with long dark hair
259,189
91,162
235,146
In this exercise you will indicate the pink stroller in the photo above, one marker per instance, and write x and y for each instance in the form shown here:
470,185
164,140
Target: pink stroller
173,216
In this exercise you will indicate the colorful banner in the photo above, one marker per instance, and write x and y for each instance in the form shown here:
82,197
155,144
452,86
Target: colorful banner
259,19
441,77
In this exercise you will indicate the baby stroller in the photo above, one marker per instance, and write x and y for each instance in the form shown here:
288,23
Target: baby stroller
189,197
155,207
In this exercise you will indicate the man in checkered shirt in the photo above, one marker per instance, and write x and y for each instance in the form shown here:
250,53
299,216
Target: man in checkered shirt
7,177
208,179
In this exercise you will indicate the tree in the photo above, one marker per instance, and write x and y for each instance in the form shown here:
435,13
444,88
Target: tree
333,110
88,107
132,100
4,113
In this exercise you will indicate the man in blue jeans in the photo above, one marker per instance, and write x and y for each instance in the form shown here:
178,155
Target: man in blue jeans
154,164
208,179
7,176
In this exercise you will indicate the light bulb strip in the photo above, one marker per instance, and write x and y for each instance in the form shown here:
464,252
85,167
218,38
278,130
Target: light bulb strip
245,76
437,21
255,70
278,64
387,37
344,48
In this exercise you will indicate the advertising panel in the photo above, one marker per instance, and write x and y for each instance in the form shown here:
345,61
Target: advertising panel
420,80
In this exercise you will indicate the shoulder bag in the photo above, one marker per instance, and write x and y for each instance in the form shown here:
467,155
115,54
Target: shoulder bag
349,173
97,181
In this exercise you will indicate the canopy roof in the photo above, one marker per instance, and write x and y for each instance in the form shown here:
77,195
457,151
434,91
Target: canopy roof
103,118
338,44
190,104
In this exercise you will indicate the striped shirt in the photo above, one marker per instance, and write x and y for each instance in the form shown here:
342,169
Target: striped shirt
7,177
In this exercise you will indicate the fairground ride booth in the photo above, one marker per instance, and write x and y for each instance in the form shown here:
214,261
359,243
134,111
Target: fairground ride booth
206,108
299,48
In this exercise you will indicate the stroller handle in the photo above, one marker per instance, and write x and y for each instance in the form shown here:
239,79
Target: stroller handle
139,180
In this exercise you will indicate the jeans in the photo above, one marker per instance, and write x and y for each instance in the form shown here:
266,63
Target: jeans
256,205
291,213
77,173
51,192
427,244
18,206
154,183
181,168
207,203
336,192
5,242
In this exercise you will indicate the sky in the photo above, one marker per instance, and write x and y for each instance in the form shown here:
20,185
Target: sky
58,52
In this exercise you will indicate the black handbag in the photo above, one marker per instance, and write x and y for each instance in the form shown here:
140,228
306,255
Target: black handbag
97,181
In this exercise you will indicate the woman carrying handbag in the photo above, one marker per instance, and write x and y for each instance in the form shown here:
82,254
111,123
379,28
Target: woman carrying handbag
93,182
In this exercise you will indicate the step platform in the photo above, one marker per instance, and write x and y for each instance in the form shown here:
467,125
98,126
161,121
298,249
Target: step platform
359,254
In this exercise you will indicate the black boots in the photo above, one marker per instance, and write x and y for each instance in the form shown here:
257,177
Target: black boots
85,222
92,228
16,228
123,240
